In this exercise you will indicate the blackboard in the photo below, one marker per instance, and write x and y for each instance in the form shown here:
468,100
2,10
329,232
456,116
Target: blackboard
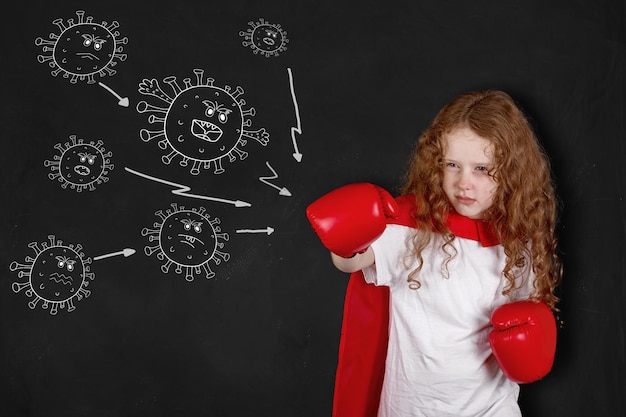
339,94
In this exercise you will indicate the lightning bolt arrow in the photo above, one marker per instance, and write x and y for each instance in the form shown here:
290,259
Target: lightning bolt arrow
183,190
268,230
126,252
121,101
282,191
298,128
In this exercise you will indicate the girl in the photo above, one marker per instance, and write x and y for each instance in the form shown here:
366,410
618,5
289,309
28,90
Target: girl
469,256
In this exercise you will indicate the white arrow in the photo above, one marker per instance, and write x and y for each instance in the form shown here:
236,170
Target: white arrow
298,128
281,190
121,101
268,230
182,190
126,252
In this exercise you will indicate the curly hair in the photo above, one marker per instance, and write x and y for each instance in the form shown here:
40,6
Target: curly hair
524,209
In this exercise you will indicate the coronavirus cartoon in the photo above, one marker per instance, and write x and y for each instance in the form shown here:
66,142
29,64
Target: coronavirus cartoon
265,38
199,123
82,49
80,165
189,239
56,277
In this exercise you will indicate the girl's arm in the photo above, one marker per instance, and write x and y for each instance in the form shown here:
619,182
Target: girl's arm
355,263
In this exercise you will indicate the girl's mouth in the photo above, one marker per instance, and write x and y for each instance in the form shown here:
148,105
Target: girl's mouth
465,200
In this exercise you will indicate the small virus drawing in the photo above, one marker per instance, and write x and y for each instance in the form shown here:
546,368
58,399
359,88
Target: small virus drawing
80,165
56,276
265,38
82,49
200,123
188,239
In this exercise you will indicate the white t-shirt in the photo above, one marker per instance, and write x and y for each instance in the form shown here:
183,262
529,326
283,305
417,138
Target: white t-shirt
439,362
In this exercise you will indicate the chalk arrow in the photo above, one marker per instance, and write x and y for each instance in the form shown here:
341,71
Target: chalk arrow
121,101
281,190
268,230
298,128
183,190
126,252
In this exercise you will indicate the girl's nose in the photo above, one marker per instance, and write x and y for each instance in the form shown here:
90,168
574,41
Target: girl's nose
465,181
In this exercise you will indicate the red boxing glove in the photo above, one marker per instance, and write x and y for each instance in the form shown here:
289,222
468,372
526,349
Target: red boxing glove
524,340
347,220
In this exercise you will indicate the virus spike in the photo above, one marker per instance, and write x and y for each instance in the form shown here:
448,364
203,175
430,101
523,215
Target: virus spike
240,153
81,16
208,272
199,75
17,287
224,236
171,80
218,166
147,135
195,170
167,159
149,250
60,24
188,274
143,107
33,303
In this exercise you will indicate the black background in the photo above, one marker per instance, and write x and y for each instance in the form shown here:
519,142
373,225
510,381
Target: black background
261,338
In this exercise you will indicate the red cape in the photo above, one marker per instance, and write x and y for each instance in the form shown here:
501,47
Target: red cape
364,333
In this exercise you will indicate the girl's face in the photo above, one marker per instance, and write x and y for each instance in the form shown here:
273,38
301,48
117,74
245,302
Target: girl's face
466,165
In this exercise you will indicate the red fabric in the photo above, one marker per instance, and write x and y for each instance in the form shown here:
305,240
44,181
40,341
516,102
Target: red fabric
364,333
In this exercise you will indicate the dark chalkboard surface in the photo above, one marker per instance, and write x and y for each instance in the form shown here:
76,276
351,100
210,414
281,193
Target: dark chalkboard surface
157,158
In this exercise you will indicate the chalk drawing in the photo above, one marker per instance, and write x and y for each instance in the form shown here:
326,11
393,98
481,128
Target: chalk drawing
81,49
265,38
187,239
199,123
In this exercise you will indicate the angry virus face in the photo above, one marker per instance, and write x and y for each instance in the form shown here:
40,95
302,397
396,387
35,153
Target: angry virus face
82,49
57,275
200,123
265,38
187,238
80,165
204,123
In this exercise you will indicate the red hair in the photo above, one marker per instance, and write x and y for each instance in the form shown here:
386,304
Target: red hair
524,209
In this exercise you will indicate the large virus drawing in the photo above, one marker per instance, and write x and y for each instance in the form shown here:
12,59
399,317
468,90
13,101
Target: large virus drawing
57,275
201,123
80,165
82,49
188,239
265,38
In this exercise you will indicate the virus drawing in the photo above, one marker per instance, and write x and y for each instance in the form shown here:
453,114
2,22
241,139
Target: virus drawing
82,49
188,239
200,123
56,276
265,38
80,165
